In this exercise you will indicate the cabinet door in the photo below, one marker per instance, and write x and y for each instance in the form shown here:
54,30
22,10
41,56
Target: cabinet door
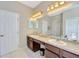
30,43
52,48
69,55
49,54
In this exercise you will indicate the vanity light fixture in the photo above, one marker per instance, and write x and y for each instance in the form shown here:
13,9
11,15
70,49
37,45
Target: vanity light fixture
62,6
54,6
37,15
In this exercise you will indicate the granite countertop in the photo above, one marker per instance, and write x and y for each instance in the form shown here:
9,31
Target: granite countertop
66,45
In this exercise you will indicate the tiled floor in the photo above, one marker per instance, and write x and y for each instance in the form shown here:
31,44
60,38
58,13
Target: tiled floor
23,53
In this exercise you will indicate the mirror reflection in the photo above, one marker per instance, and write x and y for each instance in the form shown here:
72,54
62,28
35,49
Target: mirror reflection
63,25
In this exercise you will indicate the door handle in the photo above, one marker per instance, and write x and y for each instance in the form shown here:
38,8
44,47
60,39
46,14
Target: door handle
1,35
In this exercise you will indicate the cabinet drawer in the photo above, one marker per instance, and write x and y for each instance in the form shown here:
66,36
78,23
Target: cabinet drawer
67,54
49,54
40,42
52,48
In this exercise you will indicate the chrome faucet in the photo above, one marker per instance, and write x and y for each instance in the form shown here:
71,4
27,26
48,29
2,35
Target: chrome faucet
66,37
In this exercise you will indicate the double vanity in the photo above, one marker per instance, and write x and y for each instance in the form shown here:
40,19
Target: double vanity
57,31
54,48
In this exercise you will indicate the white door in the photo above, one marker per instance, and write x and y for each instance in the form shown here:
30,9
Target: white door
9,32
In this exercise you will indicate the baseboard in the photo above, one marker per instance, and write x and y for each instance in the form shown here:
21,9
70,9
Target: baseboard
10,51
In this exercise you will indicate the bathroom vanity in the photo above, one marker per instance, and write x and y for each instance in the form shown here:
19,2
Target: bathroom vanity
62,25
53,50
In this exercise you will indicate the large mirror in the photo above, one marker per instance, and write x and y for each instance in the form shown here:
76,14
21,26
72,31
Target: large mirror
64,25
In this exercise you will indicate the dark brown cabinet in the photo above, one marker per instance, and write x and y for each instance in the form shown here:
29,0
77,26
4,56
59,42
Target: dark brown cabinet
49,54
34,46
55,52
30,43
50,50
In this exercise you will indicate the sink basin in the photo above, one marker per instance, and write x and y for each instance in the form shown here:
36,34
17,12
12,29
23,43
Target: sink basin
52,40
59,42
43,36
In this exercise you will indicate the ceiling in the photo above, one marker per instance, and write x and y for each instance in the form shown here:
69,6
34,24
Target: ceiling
31,4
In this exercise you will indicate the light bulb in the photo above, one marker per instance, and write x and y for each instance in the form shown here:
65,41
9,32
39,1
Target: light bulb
48,9
52,7
56,4
61,3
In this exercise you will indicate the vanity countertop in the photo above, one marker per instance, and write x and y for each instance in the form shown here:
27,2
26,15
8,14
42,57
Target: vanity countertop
68,46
